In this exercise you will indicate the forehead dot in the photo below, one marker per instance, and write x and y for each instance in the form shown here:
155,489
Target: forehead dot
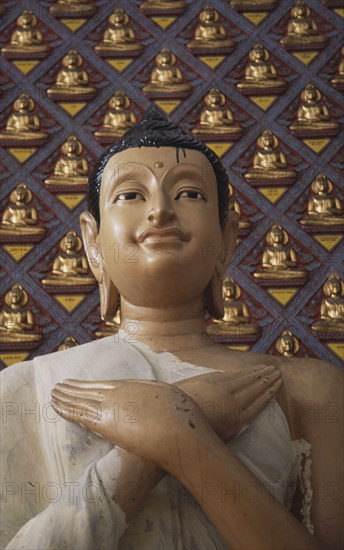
159,164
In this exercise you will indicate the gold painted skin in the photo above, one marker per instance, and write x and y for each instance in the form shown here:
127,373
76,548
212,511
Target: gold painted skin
259,73
118,118
313,115
279,261
163,5
26,39
166,77
209,32
70,267
157,209
287,345
23,124
20,217
71,168
215,117
324,209
302,29
16,320
236,319
332,307
72,79
118,36
338,81
269,162
236,207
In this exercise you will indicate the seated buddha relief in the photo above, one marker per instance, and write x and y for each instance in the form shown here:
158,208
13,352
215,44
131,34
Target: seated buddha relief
210,35
332,309
71,168
23,125
324,209
166,77
313,117
338,80
216,118
72,82
117,119
302,30
26,41
269,162
279,261
260,74
20,217
16,319
118,35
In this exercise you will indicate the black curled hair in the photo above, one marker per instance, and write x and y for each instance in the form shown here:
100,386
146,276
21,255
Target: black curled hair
155,130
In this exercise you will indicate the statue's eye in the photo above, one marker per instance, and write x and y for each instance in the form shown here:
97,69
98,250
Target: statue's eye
191,194
130,196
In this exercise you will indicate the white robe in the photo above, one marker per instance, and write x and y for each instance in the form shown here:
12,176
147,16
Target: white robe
58,478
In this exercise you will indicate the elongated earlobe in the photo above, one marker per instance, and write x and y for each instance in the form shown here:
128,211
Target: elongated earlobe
109,298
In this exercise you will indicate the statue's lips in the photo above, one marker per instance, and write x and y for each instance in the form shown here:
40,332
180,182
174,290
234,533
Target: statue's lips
168,234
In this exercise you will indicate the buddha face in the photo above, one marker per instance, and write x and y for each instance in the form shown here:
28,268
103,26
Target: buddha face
164,58
214,98
117,101
70,242
118,17
287,344
159,225
229,291
208,15
267,141
70,147
72,59
20,194
26,21
334,287
15,296
322,185
276,235
23,103
310,94
300,11
258,54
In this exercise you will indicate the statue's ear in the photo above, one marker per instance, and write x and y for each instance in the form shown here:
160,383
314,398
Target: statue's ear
213,294
109,296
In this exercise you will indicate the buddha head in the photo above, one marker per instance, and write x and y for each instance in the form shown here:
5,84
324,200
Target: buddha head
27,20
321,185
208,14
16,296
72,60
334,286
267,140
165,58
24,104
300,10
21,195
230,289
119,101
214,98
118,18
71,147
310,94
287,344
158,199
71,242
277,236
258,53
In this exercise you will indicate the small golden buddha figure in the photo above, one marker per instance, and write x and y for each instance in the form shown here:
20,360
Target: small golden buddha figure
338,81
210,34
72,80
118,118
260,75
166,77
279,260
332,308
111,326
236,207
71,168
236,319
23,126
216,118
302,30
26,41
118,36
253,5
70,267
313,118
67,343
164,6
324,209
20,217
16,320
73,8
287,344
269,162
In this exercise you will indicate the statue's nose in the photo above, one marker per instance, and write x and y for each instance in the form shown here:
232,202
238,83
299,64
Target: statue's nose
161,212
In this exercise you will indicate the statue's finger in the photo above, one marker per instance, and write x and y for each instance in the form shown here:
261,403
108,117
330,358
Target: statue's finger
254,408
81,413
82,393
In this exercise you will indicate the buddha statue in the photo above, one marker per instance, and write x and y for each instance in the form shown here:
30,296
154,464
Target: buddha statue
332,308
20,217
216,118
67,343
71,168
210,34
302,30
253,5
260,75
73,8
162,6
16,320
279,260
338,81
236,319
118,36
23,126
166,78
26,41
70,266
117,119
234,205
269,162
324,209
313,118
287,344
72,81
